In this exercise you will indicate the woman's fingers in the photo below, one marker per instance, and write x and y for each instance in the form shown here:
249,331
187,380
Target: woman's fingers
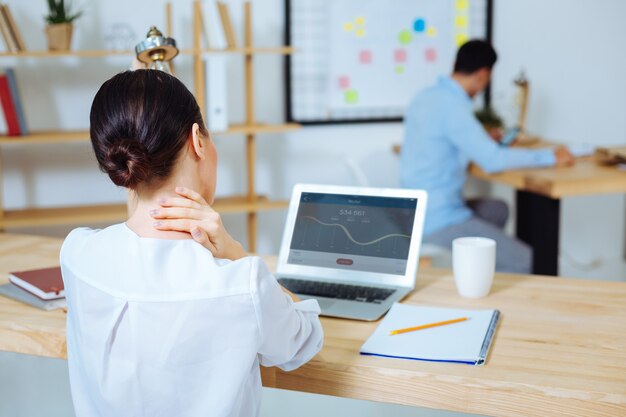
179,225
202,238
192,195
178,213
179,202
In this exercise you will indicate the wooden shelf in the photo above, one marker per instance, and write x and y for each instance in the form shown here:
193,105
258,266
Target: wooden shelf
280,50
48,137
259,128
110,213
60,54
83,135
250,203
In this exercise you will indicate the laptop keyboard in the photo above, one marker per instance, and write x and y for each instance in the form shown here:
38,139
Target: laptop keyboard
338,291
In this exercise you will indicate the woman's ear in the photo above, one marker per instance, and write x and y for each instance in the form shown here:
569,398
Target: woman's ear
199,147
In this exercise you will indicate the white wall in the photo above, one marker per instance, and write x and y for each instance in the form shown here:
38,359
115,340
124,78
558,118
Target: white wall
572,51
573,54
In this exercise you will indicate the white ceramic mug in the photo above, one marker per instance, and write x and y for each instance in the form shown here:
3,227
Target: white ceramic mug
473,265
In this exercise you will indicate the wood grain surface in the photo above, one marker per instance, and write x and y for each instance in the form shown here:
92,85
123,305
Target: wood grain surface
560,348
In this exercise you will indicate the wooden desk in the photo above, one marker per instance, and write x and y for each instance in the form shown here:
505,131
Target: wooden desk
559,350
538,200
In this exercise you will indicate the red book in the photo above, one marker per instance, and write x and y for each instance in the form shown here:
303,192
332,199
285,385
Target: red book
45,283
10,114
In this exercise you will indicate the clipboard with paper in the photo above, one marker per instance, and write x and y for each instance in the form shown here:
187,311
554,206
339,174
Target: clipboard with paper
465,342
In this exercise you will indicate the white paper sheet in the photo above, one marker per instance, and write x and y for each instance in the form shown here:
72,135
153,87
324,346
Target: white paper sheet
458,342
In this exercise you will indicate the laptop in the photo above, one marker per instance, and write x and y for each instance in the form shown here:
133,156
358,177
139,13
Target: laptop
354,249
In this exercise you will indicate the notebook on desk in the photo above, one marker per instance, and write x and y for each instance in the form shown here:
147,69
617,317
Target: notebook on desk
464,342
14,292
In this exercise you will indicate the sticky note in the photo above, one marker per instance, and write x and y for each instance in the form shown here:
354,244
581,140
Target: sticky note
365,56
405,37
399,69
344,82
431,32
430,54
461,4
351,96
348,26
419,25
461,38
399,55
359,21
360,32
460,21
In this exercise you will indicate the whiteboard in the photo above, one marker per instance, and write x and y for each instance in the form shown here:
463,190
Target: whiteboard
363,60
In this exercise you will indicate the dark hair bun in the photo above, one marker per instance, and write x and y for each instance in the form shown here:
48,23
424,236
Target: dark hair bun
127,163
140,122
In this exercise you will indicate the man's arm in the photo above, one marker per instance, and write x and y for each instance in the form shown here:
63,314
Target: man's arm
470,137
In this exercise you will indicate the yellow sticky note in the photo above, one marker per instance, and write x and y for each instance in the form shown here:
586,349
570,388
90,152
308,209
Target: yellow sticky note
351,96
360,32
348,26
360,21
461,38
462,4
405,37
431,31
460,21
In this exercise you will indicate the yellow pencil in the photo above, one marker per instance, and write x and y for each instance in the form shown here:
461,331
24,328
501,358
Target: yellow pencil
427,326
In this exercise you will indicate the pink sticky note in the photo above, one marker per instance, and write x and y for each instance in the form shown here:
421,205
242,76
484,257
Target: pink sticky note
431,54
365,56
344,82
399,55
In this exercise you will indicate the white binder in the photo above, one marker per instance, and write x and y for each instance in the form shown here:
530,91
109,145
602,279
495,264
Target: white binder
216,92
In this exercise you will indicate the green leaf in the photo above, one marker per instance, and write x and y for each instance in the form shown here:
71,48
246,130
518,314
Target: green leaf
59,12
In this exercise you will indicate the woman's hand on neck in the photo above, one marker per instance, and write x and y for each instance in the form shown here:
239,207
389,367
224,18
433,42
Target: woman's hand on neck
142,223
140,220
194,169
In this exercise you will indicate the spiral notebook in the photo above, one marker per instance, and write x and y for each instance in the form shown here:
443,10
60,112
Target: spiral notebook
465,342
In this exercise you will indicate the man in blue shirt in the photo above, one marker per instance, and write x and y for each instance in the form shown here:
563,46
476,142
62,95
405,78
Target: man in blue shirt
442,136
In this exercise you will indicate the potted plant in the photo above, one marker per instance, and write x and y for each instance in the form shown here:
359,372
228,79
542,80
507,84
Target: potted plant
60,27
491,121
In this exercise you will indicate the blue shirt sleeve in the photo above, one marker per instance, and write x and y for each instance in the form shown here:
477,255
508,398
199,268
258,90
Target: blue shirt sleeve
465,131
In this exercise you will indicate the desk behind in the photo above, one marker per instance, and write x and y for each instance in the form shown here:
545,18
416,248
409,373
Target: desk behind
584,178
559,350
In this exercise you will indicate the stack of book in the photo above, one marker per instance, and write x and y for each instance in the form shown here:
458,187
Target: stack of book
219,33
11,105
219,30
10,33
41,288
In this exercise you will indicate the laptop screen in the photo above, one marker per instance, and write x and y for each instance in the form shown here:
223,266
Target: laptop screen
360,233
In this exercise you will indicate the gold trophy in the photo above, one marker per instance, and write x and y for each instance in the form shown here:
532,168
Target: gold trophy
156,50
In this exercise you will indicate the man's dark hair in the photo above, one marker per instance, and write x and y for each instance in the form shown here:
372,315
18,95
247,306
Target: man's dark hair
474,55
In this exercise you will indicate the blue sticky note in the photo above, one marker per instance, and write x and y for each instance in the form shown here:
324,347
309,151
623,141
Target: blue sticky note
419,25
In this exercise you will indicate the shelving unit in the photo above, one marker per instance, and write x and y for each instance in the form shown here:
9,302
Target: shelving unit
281,50
250,203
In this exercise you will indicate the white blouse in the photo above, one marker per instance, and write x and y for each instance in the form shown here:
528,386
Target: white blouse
159,327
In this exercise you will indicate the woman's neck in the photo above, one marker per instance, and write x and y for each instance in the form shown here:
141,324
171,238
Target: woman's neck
141,221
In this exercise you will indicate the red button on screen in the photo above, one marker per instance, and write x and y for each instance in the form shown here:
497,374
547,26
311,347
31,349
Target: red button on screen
344,261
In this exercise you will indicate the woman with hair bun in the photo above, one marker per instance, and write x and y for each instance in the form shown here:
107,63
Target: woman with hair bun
167,314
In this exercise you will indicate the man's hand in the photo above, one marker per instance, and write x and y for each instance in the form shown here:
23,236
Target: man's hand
563,156
192,214
496,133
